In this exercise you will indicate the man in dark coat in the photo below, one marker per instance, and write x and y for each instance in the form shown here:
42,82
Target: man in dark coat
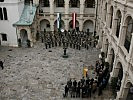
66,91
1,64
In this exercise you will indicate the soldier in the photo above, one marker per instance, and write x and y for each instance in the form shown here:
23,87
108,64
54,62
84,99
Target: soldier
66,91
1,64
46,45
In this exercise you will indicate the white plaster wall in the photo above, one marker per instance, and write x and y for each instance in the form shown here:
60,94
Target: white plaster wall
6,26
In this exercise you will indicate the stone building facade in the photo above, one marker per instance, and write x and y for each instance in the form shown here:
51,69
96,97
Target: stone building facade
85,10
115,29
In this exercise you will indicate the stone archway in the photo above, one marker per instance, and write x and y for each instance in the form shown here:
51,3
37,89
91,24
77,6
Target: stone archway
119,74
44,25
62,25
128,94
88,25
23,37
70,25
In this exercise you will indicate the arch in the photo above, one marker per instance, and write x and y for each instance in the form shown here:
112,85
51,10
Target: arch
118,22
74,3
90,3
59,3
44,3
77,25
118,70
88,24
23,37
5,13
120,74
128,92
44,25
62,25
128,35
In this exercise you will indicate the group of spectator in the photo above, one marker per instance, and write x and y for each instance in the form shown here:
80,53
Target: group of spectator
87,86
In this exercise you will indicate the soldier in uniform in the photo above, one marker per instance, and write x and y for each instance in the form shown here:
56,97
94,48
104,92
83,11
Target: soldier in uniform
1,65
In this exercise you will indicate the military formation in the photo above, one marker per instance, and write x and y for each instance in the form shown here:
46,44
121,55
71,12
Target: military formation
73,39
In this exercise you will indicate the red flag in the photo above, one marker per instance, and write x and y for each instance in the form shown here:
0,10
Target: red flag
74,15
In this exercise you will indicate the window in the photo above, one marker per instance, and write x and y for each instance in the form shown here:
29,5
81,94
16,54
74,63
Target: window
44,3
74,3
59,3
5,13
28,2
128,36
118,23
1,14
1,0
90,3
4,37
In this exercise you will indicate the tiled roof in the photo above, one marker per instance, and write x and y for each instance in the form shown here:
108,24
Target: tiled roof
27,16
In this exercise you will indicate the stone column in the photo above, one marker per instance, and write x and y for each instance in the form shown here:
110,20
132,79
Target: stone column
100,41
104,43
81,15
66,15
109,55
66,24
81,8
81,25
52,15
66,8
18,32
115,70
30,37
52,24
122,35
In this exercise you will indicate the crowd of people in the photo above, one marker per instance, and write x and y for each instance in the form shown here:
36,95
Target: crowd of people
87,86
74,39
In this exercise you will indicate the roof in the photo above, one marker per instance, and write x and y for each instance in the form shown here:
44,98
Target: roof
27,16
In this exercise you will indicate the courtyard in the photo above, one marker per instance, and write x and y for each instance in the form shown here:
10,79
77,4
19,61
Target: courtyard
41,74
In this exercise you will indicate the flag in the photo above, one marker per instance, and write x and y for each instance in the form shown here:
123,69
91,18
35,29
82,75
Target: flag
59,20
74,15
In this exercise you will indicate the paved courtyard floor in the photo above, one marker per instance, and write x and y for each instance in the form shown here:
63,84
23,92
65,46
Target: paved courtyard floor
41,74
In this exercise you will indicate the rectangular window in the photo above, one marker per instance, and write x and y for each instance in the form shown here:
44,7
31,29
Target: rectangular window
60,3
4,37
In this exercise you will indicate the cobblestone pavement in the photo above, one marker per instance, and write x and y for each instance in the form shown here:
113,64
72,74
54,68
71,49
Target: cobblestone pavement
40,74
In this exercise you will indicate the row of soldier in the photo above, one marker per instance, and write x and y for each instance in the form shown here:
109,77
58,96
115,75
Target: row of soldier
87,87
74,39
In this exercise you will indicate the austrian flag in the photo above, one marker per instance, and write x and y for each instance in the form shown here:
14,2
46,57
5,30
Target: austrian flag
74,15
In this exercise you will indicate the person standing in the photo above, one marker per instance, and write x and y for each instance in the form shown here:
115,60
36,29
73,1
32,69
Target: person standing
66,91
1,64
